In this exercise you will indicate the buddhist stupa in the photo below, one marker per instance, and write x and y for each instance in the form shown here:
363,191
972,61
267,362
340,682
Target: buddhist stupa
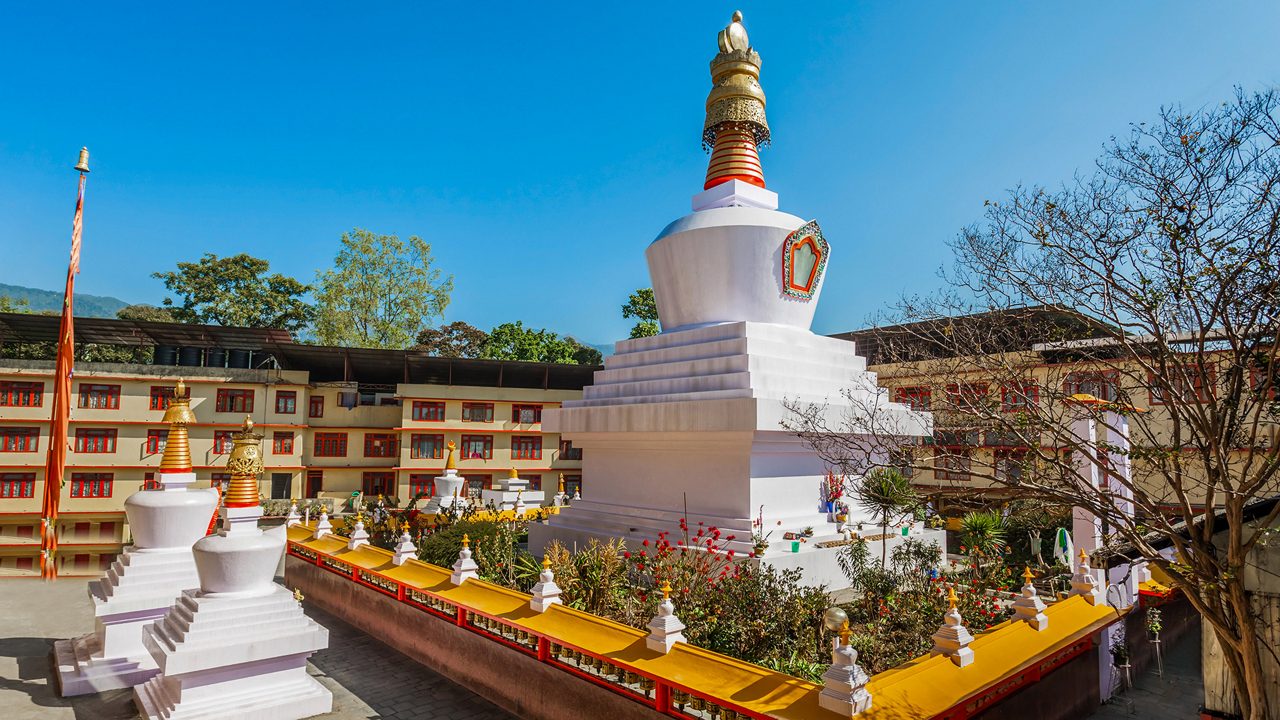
688,422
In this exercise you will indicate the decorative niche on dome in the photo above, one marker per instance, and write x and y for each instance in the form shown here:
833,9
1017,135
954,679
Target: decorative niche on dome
804,257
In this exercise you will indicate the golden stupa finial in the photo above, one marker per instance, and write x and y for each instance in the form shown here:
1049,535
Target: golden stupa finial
466,541
177,445
450,463
561,483
244,464
735,125
951,598
666,589
546,562
845,632
1027,574
513,474
83,165
1084,556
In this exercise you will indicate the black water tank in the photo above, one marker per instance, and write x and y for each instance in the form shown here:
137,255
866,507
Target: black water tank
237,358
165,355
215,357
190,356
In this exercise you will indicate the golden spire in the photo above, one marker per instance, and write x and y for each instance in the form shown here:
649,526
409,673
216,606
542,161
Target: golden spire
450,464
735,126
177,446
513,474
561,483
466,541
245,464
546,562
845,632
1027,574
1084,556
666,589
951,598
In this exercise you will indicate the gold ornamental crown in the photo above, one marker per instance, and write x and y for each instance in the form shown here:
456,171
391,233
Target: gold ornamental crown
179,410
736,99
245,464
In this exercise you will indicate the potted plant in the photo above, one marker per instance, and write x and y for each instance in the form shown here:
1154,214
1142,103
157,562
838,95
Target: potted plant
1155,623
759,537
833,490
808,531
1120,658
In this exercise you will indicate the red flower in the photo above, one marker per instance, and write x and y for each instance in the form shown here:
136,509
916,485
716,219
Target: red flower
645,543
626,555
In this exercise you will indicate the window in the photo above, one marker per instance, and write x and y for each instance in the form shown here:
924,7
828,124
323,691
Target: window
1019,397
149,482
156,440
19,439
107,530
1101,385
100,397
90,485
234,400
477,412
421,485
17,485
330,444
1191,380
286,402
952,464
526,447
316,406
535,480
957,437
160,396
569,452
477,447
21,394
382,445
222,442
282,443
572,485
476,483
526,414
96,440
426,447
348,399
220,480
916,398
315,483
428,411
1009,464
379,483
1265,381
967,396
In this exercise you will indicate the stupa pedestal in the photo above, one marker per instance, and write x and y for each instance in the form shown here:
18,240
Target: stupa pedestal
237,648
147,578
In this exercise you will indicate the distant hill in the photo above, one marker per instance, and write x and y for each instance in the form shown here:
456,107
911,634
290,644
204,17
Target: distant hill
100,306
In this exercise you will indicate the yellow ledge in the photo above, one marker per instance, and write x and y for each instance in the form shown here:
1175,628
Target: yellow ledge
921,688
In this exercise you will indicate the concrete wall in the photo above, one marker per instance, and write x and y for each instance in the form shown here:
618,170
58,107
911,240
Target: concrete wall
510,679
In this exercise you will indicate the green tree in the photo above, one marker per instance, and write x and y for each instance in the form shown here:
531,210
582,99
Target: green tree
642,306
455,340
235,291
888,496
514,341
983,532
14,305
145,313
381,293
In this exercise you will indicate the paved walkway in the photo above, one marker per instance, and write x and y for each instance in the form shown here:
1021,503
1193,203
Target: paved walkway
1179,694
368,679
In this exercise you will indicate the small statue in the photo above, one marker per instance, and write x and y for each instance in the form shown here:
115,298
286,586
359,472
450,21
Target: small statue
734,37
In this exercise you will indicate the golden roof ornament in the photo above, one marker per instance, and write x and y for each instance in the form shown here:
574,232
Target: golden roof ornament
245,464
177,446
735,125
450,463
513,474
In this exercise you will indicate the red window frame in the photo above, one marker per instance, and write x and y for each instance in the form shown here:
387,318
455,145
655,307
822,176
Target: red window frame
484,441
286,402
378,483
417,441
19,439
568,451
534,410
381,445
315,483
967,397
222,441
156,440
956,464
469,409
1019,396
149,481
1107,382
220,480
1193,376
915,397
526,447
329,444
17,485
282,443
421,484
572,484
428,411
160,396
91,485
315,406
472,484
96,440
96,396
236,400
21,393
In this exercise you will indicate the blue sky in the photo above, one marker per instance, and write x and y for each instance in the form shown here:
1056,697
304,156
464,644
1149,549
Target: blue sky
541,147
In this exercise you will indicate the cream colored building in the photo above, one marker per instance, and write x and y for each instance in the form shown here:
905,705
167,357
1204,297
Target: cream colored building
324,436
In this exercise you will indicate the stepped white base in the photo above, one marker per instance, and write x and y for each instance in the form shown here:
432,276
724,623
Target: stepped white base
138,589
234,656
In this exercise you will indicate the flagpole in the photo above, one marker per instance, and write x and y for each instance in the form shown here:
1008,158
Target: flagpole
55,465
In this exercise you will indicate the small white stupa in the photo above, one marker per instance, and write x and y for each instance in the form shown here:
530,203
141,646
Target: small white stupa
449,491
237,648
148,577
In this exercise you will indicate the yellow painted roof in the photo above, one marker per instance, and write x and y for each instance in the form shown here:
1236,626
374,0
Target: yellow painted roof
921,688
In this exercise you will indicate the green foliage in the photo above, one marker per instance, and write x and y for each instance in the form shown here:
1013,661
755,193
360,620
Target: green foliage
235,291
381,293
642,306
455,340
888,496
983,532
14,305
145,313
514,341
442,546
593,579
